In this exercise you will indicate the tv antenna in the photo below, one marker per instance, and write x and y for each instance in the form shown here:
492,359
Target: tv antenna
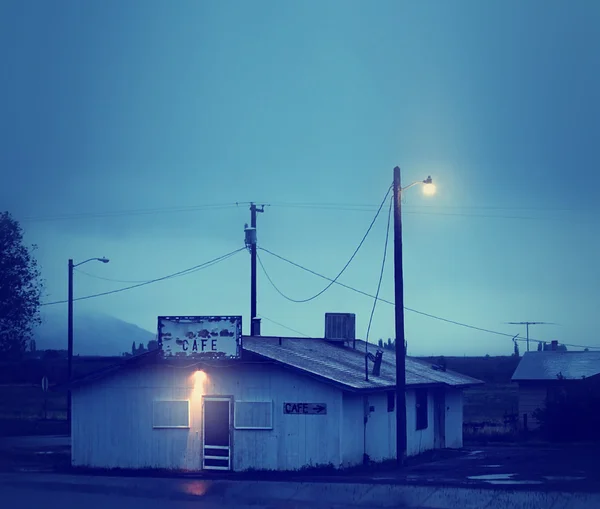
527,324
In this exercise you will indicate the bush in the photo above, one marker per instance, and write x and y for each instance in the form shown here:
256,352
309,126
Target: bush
571,411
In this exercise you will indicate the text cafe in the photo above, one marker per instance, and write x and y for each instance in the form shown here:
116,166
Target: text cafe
210,399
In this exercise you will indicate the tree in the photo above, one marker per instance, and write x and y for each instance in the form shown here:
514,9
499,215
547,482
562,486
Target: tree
133,348
21,289
152,345
516,353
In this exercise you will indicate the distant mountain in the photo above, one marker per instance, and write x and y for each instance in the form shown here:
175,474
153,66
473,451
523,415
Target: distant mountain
93,333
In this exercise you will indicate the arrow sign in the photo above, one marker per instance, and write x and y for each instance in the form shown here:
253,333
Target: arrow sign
298,408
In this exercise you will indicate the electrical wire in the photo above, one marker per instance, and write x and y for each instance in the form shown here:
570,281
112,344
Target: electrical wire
284,326
125,281
185,272
376,298
370,206
422,313
334,280
433,210
132,212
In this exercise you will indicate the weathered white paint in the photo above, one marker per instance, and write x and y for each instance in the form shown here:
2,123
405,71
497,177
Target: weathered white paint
380,442
381,428
454,418
112,420
352,429
418,441
531,398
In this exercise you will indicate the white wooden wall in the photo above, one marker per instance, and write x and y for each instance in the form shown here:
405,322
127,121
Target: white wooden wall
381,429
454,418
418,441
381,426
352,433
112,420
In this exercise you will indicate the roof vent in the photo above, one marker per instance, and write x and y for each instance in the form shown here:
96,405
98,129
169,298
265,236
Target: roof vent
340,326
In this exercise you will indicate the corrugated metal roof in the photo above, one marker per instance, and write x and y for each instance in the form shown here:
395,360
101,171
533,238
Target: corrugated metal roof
547,365
341,365
346,366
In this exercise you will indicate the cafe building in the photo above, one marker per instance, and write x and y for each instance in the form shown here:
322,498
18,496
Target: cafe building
212,399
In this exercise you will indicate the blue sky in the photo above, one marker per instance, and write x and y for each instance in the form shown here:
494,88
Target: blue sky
116,106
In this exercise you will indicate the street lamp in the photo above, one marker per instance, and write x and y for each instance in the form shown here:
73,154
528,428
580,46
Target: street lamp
70,326
400,349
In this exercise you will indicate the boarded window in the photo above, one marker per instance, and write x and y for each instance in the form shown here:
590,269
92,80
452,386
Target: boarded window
391,400
253,415
171,414
421,408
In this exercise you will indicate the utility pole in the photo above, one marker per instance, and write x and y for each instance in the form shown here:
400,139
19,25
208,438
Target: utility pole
70,328
527,324
254,320
70,340
399,321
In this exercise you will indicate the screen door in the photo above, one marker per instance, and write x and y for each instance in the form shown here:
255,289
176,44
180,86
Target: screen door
216,434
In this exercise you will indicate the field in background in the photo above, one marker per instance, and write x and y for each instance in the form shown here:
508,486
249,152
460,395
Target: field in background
25,408
490,410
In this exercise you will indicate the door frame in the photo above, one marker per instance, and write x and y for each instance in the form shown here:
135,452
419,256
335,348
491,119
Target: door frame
229,449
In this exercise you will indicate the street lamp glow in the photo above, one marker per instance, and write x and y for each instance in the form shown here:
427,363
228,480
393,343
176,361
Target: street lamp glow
428,187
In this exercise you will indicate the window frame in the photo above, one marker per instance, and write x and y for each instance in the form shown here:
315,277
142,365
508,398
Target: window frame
259,428
391,401
154,403
421,413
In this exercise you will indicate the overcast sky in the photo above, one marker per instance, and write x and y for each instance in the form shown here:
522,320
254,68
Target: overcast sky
110,107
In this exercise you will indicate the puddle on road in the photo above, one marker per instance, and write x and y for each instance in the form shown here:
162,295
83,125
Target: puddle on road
490,477
512,482
563,478
492,466
501,479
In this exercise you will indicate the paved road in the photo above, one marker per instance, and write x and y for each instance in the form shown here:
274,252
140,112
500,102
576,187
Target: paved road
34,491
559,467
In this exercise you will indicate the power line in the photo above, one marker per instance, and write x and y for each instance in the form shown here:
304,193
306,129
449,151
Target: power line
126,281
420,209
370,206
131,212
332,281
433,212
185,272
284,326
422,313
376,298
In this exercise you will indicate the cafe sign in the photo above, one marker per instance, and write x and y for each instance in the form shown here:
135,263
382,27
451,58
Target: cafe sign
213,337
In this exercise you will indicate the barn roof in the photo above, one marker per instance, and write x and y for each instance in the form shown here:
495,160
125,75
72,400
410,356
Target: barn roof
334,363
552,365
346,365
